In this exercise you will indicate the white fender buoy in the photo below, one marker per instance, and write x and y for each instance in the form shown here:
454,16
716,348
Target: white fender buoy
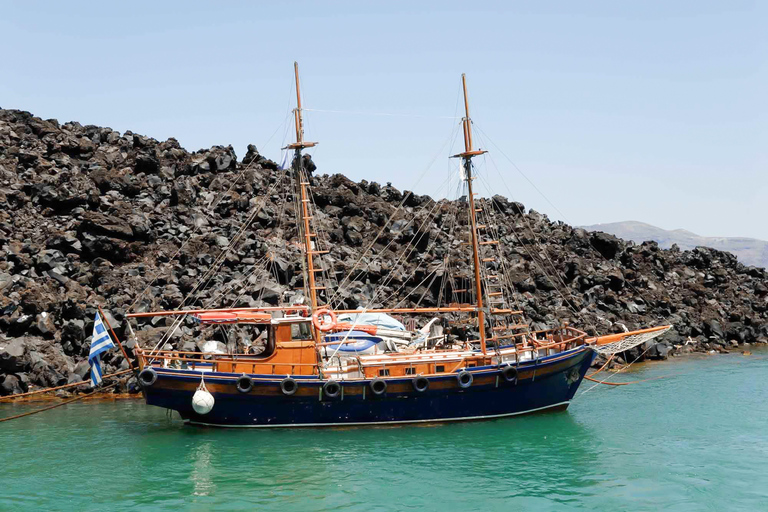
202,400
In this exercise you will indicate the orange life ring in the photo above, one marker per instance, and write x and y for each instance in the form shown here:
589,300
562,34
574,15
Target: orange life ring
323,312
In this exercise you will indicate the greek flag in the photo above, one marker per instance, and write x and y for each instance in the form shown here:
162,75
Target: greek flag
286,160
101,342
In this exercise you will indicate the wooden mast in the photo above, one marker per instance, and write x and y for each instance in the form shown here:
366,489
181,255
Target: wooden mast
467,162
303,182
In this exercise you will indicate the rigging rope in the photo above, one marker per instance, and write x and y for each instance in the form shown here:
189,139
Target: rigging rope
210,208
544,259
391,242
591,244
387,223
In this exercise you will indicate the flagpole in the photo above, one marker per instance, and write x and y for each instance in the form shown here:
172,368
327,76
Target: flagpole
125,354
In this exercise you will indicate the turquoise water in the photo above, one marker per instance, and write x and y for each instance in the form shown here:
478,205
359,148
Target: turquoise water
696,440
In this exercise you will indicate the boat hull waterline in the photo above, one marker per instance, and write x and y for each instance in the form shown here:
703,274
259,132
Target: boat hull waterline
545,384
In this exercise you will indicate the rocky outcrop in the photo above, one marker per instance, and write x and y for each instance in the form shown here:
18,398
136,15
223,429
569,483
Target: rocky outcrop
92,216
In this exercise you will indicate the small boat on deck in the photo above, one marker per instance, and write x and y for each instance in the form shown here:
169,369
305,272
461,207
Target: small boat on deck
325,366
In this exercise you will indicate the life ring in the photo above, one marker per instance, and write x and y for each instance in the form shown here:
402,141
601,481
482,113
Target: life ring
465,379
288,386
323,312
378,386
420,384
509,373
331,389
147,377
244,384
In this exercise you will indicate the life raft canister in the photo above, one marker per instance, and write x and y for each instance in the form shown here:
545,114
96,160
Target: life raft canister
323,326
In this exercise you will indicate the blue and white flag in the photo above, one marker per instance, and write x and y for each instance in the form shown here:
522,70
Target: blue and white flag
286,160
101,342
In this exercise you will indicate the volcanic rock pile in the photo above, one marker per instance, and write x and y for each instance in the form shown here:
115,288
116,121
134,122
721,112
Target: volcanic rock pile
92,216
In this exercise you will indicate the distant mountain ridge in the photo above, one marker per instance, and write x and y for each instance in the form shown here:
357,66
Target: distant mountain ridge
749,251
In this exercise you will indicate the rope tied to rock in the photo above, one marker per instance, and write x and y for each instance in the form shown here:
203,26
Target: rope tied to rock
57,388
54,406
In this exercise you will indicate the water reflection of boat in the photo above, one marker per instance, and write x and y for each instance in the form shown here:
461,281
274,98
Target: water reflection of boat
323,365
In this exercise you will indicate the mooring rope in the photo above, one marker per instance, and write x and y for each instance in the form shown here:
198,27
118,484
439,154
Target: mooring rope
65,402
48,390
601,368
598,382
622,383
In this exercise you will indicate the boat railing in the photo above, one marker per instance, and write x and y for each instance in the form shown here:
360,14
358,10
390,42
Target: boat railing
193,359
560,339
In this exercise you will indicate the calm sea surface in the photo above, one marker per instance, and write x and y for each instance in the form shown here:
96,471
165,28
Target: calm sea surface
696,440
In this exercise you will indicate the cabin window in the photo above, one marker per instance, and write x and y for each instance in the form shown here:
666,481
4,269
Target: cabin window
470,365
384,372
439,368
301,331
410,371
263,344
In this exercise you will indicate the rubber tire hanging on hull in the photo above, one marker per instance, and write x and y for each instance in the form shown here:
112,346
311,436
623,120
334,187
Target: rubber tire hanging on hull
331,389
147,377
509,373
464,378
244,384
378,386
420,384
288,386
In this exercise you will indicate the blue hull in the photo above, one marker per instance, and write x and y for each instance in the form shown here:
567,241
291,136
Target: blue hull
547,384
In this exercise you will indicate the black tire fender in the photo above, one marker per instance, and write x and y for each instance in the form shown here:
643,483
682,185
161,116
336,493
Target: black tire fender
147,377
244,384
378,386
289,386
332,389
509,373
464,378
420,384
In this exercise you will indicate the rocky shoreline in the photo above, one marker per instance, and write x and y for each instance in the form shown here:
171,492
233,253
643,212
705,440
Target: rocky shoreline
92,216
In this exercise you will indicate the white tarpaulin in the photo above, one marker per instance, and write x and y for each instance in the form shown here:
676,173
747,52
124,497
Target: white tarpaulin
378,319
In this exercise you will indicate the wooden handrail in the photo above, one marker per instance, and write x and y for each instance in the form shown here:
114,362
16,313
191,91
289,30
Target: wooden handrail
165,354
225,310
172,357
455,309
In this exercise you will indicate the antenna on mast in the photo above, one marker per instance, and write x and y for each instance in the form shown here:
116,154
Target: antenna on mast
466,156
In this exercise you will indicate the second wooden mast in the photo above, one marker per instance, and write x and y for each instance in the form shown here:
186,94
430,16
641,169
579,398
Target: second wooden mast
303,182
466,157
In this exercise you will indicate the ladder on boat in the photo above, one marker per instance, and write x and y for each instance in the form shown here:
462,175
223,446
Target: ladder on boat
507,323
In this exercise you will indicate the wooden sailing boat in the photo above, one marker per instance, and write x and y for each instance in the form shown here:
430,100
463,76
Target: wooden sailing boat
305,377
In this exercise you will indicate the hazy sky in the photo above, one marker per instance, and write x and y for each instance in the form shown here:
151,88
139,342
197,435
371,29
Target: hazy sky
649,111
